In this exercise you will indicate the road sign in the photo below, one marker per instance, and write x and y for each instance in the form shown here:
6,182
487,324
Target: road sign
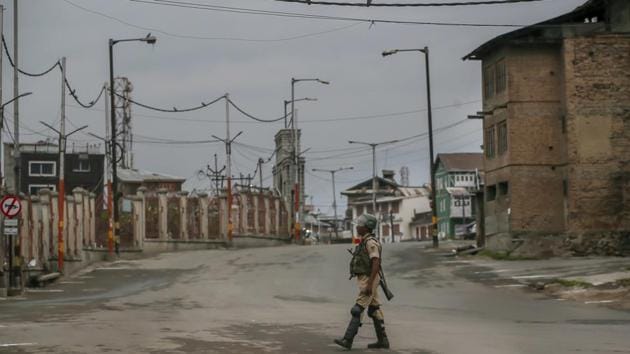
10,222
10,206
10,231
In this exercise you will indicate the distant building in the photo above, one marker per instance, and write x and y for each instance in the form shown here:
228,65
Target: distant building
396,205
39,165
557,149
129,180
283,178
457,179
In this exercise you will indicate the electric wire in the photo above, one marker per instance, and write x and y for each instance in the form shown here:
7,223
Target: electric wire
174,109
249,11
253,117
369,3
184,36
6,50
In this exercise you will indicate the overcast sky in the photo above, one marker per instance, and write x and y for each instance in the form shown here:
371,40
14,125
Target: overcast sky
253,58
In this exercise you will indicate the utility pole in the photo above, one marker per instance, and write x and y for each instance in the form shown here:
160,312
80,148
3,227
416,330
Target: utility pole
16,104
228,151
62,157
332,172
216,173
374,180
110,196
62,152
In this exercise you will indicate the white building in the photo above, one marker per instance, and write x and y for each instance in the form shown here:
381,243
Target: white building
396,205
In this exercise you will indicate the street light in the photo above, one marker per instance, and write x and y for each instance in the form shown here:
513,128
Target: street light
298,204
332,172
374,184
425,50
286,103
2,127
150,40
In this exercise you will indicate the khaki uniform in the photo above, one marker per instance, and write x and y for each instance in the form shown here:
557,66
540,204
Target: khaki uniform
373,300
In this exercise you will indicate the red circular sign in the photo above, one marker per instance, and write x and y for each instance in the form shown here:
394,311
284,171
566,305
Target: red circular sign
10,206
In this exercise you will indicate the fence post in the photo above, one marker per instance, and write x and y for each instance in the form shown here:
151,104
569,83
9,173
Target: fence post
183,215
244,212
78,221
137,220
44,197
24,230
163,215
142,193
267,216
223,215
69,227
54,230
35,236
278,212
203,215
92,225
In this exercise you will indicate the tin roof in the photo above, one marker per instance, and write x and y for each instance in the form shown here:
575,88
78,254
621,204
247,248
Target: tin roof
465,161
139,176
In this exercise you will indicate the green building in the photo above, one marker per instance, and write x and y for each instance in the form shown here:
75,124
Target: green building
457,176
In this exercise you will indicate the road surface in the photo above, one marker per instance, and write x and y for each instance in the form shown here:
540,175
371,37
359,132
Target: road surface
296,300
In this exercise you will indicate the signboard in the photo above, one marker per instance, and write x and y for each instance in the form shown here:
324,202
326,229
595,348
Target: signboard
10,206
10,222
10,231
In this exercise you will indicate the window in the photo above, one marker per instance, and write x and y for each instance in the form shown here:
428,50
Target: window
488,81
42,168
490,142
395,207
504,188
500,75
34,188
503,140
491,193
81,166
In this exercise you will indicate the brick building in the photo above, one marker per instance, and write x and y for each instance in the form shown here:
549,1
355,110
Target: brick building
556,106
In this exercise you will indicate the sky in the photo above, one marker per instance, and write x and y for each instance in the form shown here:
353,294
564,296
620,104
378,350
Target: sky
202,53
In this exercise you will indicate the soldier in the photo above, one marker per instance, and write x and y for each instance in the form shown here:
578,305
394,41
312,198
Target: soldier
365,265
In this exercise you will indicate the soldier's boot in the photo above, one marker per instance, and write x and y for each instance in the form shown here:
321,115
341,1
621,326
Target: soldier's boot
382,341
353,328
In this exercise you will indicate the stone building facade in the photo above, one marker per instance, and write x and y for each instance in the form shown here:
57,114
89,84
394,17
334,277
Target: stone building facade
556,109
283,177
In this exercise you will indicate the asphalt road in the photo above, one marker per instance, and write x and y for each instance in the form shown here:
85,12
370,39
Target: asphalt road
296,300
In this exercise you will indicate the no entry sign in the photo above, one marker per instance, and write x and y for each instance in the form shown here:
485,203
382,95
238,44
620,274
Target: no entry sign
10,206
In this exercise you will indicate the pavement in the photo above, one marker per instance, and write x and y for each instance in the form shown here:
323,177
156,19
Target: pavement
296,300
589,280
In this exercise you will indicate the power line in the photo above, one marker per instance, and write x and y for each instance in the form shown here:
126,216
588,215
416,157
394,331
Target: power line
184,36
249,11
253,117
369,3
6,50
174,109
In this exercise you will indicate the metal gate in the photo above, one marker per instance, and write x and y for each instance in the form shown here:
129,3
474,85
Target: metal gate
152,215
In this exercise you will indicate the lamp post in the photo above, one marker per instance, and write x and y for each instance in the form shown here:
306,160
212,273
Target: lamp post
332,172
286,103
296,151
2,125
150,40
425,50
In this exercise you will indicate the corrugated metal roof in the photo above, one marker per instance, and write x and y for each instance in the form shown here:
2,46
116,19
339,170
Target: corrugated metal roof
464,161
139,176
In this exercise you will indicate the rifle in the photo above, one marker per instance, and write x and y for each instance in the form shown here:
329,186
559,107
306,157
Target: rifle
388,294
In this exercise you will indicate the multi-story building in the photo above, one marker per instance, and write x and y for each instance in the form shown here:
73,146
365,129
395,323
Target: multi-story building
283,177
457,179
557,136
84,165
396,205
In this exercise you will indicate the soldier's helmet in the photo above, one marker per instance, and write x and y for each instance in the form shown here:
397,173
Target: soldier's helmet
366,220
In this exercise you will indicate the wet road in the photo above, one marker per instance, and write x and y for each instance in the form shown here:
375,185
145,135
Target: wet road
296,300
